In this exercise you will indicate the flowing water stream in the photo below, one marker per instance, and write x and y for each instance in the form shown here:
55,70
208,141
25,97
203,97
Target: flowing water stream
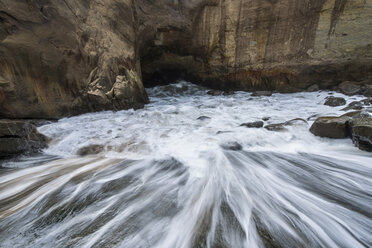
170,179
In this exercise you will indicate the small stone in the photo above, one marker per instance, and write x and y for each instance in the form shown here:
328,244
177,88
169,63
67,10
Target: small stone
222,132
278,127
215,92
355,105
256,124
228,92
203,118
262,93
335,101
266,118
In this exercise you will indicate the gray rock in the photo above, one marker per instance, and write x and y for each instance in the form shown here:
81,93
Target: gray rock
215,92
278,127
335,101
313,88
17,137
355,105
331,127
232,146
262,93
203,117
361,131
256,124
349,88
90,150
266,118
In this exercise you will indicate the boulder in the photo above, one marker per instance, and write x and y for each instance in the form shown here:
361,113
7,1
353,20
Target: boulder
215,92
90,150
361,131
335,101
313,88
355,105
350,88
256,124
331,127
262,93
17,137
232,146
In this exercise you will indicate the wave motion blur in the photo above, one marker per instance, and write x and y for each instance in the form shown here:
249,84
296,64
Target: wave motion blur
165,180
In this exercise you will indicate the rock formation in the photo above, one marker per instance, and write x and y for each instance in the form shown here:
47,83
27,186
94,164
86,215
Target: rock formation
67,57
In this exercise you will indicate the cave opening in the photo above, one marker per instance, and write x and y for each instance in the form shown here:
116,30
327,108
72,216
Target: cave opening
165,76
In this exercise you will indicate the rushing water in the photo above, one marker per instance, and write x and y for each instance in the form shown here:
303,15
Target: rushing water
170,179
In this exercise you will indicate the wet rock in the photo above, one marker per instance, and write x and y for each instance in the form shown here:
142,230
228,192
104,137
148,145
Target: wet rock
256,124
331,127
17,137
366,102
335,101
361,131
232,146
203,118
313,88
355,105
90,150
349,88
278,127
296,121
228,92
215,92
352,113
262,93
266,118
368,91
222,132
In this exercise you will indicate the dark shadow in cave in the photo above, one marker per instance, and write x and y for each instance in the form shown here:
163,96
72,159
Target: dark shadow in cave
165,77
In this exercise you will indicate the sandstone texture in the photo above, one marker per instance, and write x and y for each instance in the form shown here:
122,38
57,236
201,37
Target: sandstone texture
61,58
18,137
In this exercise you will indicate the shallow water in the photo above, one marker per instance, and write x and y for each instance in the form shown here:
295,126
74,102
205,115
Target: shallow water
165,178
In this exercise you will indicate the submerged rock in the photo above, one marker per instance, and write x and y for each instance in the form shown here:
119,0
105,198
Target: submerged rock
90,150
331,127
233,146
278,127
335,101
215,92
17,137
262,93
203,117
355,105
361,131
256,124
282,126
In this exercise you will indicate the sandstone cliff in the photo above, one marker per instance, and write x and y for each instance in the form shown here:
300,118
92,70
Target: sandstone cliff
67,57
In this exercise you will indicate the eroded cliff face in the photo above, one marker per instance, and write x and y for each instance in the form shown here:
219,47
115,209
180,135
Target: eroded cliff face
67,57
283,45
61,58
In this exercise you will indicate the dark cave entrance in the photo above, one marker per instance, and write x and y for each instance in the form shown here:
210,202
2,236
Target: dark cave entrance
164,76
